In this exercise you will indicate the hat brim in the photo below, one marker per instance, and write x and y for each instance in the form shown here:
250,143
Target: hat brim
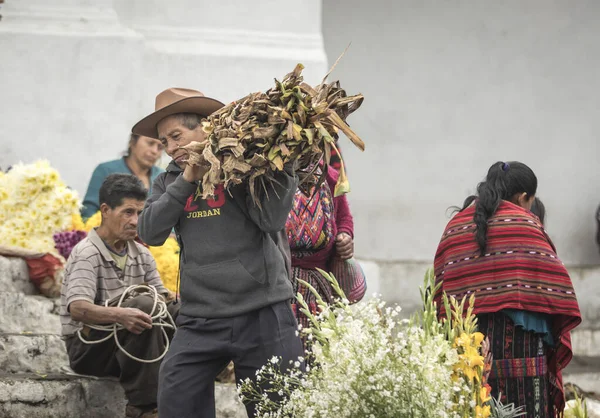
203,106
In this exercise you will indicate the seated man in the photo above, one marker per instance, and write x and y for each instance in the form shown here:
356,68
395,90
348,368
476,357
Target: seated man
99,269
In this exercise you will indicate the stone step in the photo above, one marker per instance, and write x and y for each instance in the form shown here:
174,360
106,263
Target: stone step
14,276
36,353
28,313
62,396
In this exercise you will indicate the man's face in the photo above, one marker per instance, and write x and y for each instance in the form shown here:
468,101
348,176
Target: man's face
121,222
173,135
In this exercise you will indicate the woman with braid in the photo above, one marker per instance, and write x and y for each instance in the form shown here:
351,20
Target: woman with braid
495,248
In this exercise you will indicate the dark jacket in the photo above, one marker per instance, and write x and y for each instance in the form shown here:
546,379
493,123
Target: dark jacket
233,254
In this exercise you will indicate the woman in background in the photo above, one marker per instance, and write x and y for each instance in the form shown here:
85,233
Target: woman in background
140,159
498,250
320,232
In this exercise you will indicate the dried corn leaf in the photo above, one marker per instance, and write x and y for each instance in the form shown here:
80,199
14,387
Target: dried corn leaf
238,150
228,143
266,132
257,160
284,149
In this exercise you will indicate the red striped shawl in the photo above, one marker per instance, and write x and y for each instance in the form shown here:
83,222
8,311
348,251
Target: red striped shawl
520,270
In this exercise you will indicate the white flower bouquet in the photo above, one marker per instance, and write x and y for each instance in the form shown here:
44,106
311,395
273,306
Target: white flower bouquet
365,361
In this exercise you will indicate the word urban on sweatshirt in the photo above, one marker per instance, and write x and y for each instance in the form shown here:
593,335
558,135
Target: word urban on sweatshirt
204,213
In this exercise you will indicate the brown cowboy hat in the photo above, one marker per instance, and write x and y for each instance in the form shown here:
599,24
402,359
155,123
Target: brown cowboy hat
172,101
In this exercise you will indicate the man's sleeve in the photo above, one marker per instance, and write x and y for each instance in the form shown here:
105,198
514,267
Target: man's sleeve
163,209
152,277
80,282
276,203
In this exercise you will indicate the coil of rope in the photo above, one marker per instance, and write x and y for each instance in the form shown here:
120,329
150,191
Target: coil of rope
159,314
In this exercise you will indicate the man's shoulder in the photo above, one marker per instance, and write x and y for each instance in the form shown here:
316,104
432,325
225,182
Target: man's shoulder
84,250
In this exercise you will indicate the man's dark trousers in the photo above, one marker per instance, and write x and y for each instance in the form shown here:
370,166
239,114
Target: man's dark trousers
202,347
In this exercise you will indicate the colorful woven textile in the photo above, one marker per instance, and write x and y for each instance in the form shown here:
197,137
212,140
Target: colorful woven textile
310,225
313,224
519,370
520,270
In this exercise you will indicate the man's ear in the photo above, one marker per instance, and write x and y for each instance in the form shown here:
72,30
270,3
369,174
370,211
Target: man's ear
104,209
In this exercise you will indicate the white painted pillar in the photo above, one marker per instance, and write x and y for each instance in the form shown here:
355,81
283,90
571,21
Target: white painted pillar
77,74
66,84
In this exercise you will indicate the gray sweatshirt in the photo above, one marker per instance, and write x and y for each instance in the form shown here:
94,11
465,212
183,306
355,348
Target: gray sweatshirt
235,257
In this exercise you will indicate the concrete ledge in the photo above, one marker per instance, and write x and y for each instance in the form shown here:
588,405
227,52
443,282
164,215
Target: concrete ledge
25,396
586,342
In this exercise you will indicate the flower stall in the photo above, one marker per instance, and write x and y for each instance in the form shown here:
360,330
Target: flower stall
35,204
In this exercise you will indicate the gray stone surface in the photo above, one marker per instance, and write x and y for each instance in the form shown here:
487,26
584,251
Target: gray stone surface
19,312
589,381
58,396
228,402
32,353
14,276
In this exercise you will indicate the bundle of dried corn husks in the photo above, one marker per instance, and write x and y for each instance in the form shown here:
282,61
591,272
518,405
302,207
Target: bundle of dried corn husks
252,138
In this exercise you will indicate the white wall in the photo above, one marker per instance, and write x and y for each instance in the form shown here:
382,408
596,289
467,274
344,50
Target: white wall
75,75
453,86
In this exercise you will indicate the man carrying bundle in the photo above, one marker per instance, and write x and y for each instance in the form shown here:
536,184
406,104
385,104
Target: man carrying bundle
99,271
235,287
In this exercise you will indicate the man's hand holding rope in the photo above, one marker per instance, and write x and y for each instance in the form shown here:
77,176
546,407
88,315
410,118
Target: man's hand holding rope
134,320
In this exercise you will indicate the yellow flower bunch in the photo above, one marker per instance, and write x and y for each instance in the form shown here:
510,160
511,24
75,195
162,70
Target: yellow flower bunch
469,369
470,360
167,262
93,221
77,223
34,204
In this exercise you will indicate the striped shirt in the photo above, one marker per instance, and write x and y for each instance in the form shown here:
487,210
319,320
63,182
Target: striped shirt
91,274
